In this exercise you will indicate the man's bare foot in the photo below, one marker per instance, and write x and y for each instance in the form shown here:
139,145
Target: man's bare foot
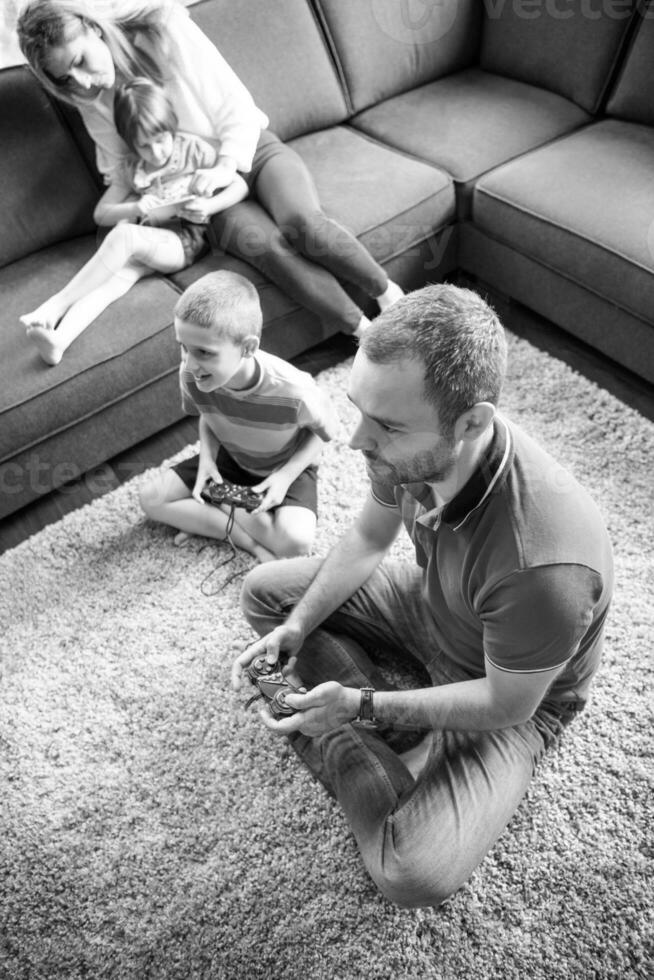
46,342
391,294
416,757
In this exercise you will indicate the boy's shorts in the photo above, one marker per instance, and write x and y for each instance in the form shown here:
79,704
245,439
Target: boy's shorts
303,492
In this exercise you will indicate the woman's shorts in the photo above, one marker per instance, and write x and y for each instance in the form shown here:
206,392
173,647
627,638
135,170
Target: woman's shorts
303,492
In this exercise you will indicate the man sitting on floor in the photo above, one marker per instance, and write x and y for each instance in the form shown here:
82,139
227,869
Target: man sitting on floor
505,607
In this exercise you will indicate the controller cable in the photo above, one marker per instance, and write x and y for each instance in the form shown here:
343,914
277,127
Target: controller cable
226,561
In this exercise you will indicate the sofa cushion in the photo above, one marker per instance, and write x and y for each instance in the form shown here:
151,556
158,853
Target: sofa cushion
47,192
384,47
127,348
470,122
583,207
280,55
567,46
633,96
401,210
388,200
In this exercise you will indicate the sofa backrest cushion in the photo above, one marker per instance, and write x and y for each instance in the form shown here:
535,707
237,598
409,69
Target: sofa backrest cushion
47,193
567,46
279,52
385,47
633,97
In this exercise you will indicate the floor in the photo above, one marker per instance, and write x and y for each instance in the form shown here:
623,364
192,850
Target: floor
624,385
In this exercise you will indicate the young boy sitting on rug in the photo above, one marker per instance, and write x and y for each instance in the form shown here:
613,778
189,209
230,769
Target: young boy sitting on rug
262,424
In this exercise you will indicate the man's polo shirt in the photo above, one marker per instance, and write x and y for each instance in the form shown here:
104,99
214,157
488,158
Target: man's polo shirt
517,567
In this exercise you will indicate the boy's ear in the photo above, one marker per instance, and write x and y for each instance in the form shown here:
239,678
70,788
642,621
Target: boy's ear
250,345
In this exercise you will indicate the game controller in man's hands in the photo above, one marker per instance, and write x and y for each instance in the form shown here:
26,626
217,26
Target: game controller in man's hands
273,687
230,493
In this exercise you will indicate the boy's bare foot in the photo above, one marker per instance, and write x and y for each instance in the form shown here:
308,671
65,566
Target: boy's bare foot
391,294
181,539
46,342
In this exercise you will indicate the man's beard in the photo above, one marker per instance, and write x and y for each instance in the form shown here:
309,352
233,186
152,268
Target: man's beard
426,467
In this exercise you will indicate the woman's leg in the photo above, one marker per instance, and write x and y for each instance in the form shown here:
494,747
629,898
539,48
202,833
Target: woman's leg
285,188
128,253
248,232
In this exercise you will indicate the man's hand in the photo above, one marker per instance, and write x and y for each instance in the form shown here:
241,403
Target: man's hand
283,639
324,708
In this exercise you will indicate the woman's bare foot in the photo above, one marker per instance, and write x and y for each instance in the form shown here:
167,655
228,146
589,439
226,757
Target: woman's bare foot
47,344
362,326
391,294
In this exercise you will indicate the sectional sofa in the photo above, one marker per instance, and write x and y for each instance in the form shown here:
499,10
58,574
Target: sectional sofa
510,140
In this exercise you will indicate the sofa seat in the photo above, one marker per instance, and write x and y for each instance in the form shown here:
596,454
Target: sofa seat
471,122
52,417
401,209
584,207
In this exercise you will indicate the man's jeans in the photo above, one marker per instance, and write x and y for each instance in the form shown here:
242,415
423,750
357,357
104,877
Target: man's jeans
420,839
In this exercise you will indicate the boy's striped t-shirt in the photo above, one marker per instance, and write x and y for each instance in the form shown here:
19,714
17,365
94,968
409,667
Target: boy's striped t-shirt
261,427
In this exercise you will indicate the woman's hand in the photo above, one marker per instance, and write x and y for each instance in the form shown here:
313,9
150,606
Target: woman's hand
324,708
207,182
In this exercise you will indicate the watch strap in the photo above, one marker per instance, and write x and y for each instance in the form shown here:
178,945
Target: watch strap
366,714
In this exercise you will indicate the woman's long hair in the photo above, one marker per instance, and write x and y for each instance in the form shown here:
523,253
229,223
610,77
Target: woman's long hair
123,25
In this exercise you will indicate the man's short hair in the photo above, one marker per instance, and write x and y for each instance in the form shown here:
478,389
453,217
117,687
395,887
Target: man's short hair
458,338
222,301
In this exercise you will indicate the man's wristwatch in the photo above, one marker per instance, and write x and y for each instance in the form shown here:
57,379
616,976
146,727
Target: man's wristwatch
366,716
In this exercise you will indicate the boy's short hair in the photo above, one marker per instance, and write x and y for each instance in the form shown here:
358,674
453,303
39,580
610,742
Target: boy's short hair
222,301
458,338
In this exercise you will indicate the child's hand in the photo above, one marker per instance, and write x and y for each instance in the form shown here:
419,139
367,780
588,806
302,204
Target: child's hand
146,203
207,470
195,211
207,182
274,489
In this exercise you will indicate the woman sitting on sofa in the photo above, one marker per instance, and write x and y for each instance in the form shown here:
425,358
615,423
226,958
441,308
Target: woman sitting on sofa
82,51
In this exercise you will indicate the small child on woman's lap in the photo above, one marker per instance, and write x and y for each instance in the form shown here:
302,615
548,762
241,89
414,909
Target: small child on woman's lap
262,424
162,171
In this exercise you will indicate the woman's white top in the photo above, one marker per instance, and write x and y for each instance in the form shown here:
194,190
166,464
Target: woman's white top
208,97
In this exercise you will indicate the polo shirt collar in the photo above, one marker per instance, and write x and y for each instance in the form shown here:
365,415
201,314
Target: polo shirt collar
489,476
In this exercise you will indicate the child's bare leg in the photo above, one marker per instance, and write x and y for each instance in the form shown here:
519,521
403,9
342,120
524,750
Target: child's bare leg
287,532
158,248
128,253
168,500
51,344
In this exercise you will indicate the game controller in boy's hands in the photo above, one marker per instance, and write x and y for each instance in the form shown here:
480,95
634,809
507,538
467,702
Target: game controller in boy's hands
230,493
273,687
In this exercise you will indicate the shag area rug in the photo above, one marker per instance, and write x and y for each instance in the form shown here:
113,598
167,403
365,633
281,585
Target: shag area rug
150,827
